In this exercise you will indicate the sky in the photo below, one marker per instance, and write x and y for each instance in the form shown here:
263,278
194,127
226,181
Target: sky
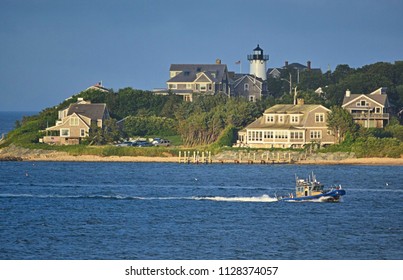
53,49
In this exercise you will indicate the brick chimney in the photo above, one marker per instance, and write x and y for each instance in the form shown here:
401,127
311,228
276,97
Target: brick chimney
218,61
286,64
308,64
300,101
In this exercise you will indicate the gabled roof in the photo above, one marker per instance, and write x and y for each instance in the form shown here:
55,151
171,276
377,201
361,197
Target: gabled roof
94,111
189,72
378,96
240,77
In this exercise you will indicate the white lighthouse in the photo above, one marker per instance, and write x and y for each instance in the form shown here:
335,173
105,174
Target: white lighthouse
258,63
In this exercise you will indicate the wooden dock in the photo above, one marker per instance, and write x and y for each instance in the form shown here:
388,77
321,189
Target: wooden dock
205,157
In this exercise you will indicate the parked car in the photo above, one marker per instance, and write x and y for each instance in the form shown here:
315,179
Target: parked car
124,144
161,142
142,144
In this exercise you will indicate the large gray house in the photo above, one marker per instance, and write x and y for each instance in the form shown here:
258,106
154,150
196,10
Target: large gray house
187,79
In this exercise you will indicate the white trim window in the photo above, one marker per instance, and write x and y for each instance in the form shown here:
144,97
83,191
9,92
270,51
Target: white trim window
319,117
294,119
296,135
270,118
65,132
82,132
316,134
246,87
281,118
73,121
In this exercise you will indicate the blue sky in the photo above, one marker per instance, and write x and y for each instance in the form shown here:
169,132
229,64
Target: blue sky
52,49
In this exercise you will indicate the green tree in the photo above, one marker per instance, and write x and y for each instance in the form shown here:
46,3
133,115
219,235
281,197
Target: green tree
341,122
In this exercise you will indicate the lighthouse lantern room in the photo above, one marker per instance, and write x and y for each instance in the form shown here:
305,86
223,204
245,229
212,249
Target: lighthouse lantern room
258,63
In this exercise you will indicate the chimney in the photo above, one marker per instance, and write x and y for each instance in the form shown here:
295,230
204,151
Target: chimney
300,101
308,64
286,64
348,93
218,61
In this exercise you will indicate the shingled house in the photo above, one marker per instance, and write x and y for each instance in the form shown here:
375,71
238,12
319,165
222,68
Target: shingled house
368,110
75,122
288,126
187,79
248,86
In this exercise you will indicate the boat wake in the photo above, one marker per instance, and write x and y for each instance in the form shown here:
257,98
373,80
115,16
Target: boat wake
263,198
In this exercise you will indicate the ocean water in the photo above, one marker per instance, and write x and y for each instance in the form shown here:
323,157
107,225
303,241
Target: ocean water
70,210
8,119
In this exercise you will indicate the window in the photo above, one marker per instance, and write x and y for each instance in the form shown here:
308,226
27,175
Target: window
73,121
172,86
316,134
82,132
281,134
281,118
362,103
246,87
186,73
378,110
270,119
268,135
251,98
294,119
319,117
188,86
296,135
65,132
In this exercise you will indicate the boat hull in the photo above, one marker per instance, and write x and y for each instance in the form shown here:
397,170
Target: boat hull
330,196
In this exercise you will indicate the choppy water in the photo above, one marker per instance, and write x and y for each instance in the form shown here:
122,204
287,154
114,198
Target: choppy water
172,211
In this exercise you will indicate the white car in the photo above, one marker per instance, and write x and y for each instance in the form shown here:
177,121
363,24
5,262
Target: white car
162,142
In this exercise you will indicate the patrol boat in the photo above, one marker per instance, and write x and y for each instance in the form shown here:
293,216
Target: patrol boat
311,190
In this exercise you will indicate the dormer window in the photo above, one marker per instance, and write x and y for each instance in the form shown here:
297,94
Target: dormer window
319,117
294,119
270,119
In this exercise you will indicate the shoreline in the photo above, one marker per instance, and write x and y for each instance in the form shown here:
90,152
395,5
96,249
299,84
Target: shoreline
144,159
21,154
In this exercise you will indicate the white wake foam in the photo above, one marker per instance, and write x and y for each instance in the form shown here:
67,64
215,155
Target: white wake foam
263,198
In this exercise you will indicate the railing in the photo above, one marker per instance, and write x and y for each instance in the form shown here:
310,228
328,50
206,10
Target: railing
371,116
258,57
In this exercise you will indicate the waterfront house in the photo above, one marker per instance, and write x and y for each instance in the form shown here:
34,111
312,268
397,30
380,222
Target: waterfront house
288,126
75,121
368,110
